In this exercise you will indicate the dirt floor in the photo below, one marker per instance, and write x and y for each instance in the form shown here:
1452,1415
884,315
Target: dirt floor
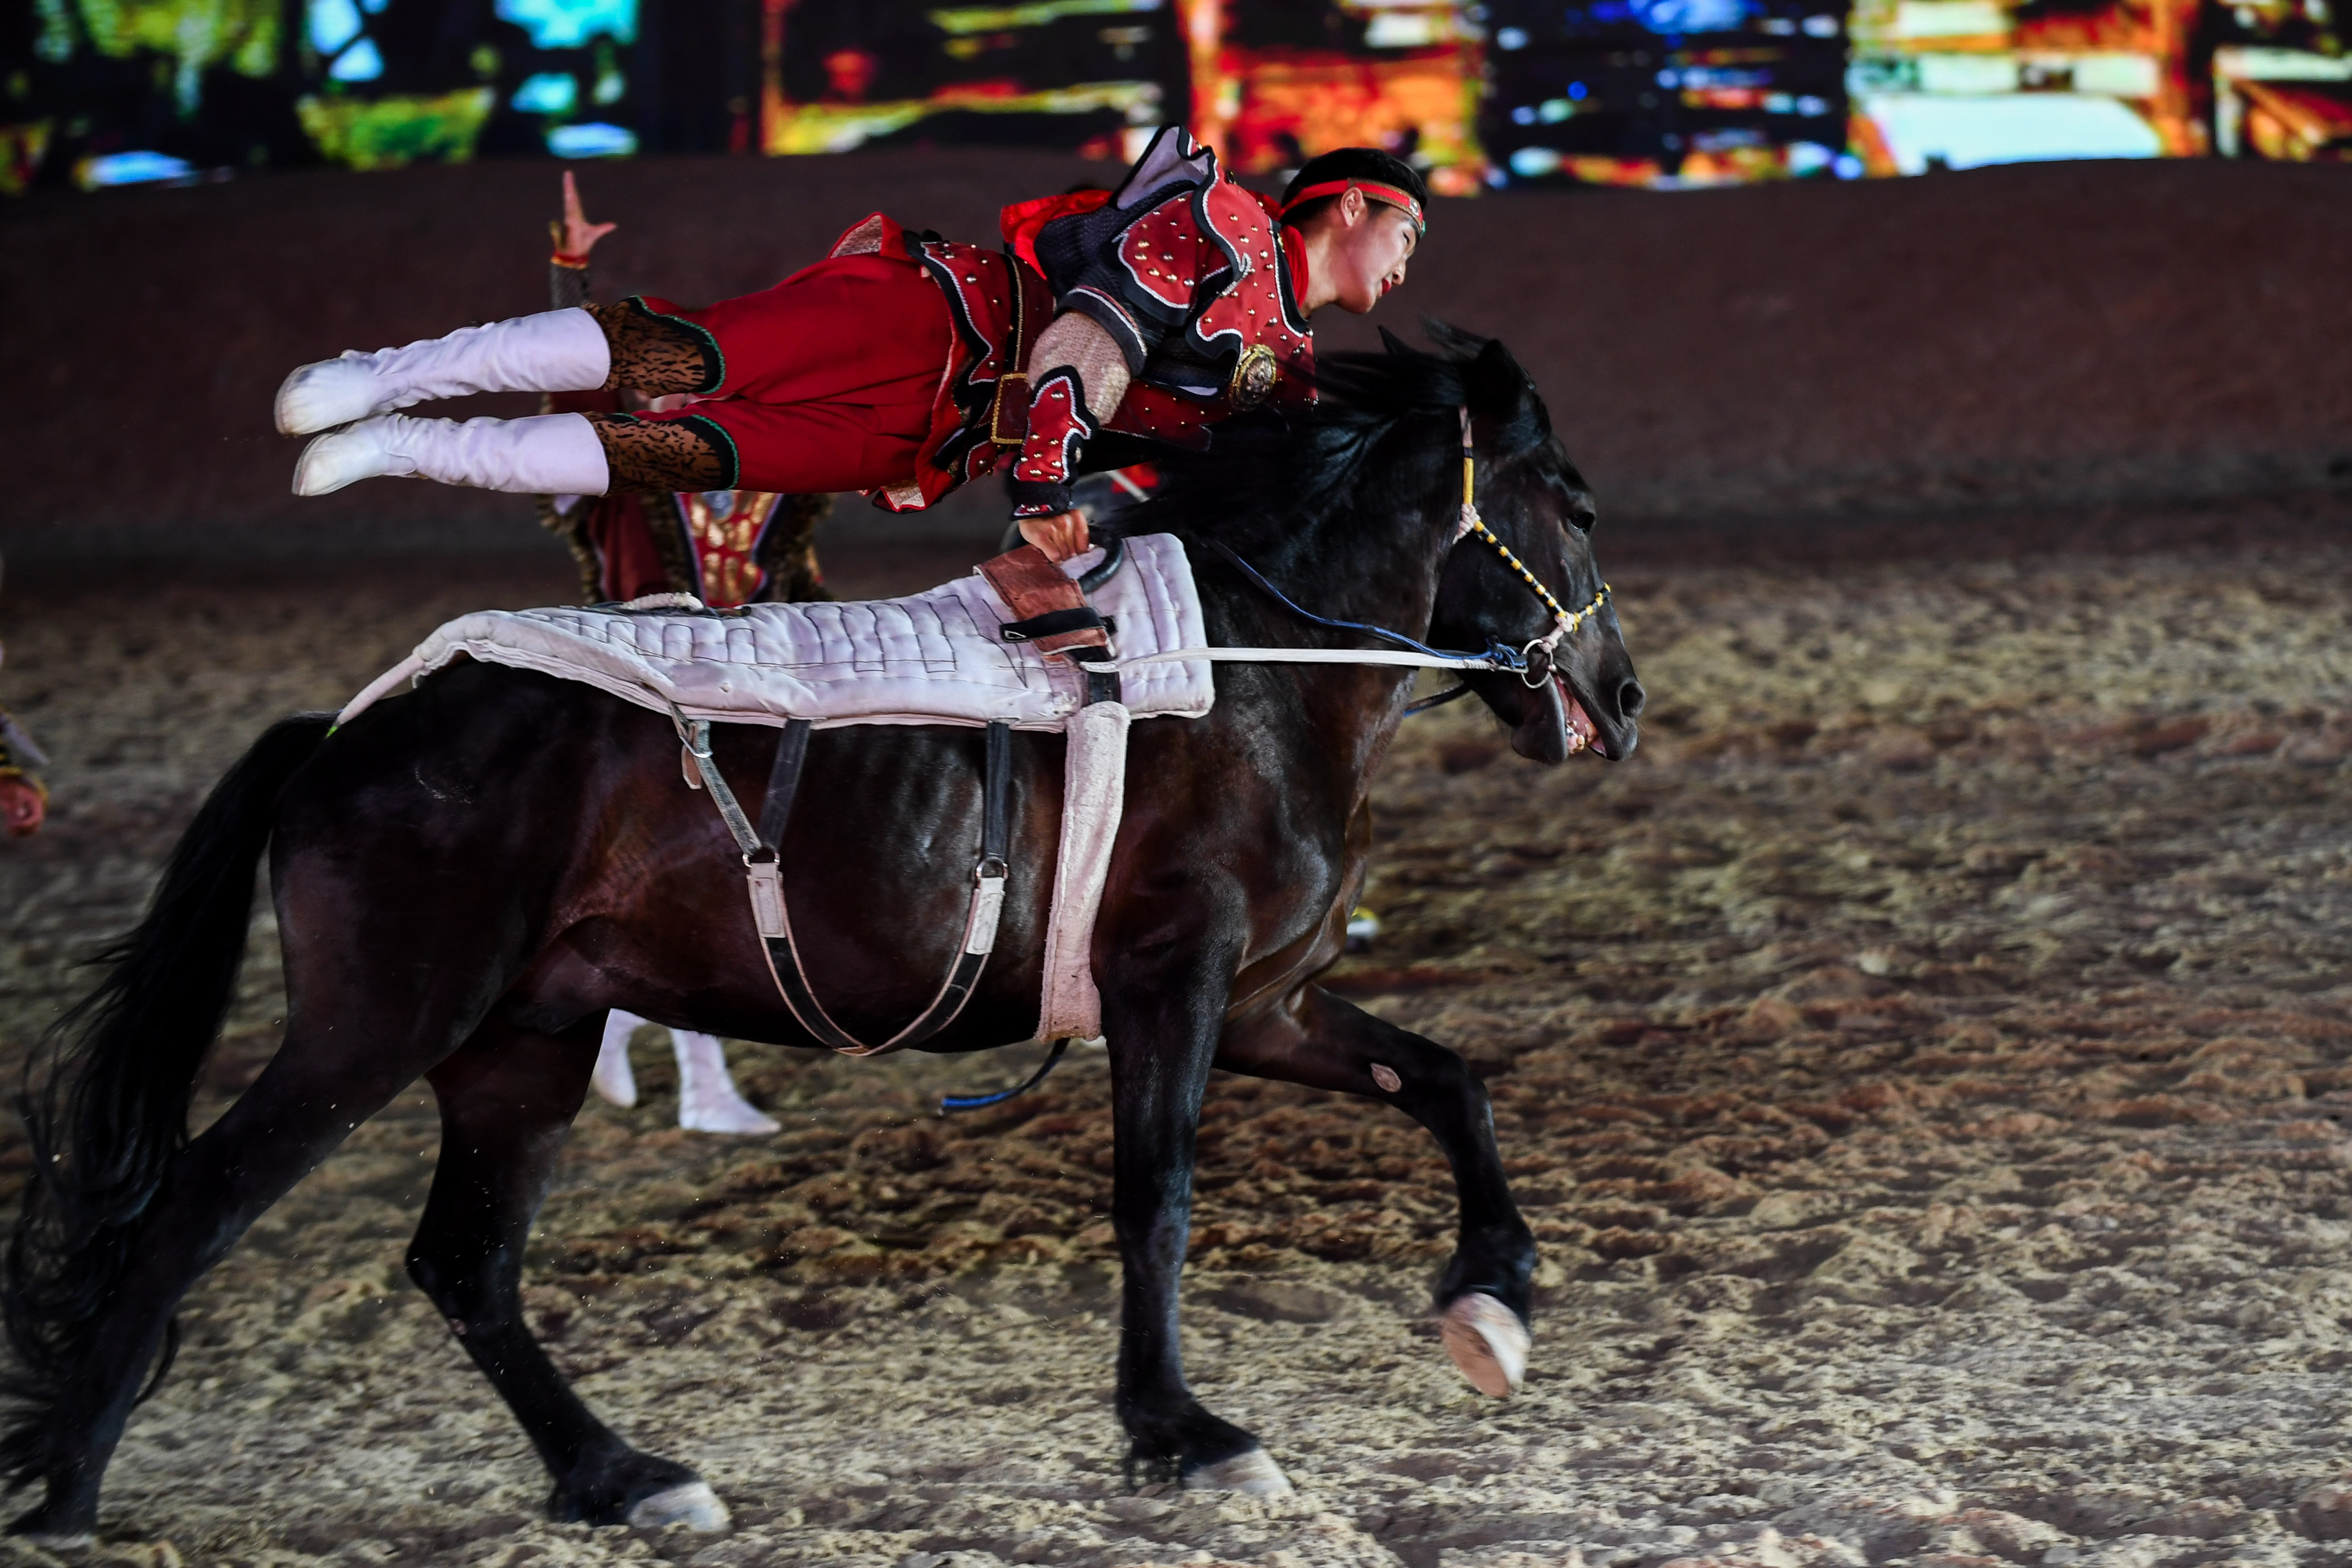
1927,1065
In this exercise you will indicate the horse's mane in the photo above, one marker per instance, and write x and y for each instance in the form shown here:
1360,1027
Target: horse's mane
1261,479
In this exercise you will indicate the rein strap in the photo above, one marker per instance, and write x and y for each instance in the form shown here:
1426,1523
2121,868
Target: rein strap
1521,663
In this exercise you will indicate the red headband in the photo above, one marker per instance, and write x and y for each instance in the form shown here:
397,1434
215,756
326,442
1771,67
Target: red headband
1378,192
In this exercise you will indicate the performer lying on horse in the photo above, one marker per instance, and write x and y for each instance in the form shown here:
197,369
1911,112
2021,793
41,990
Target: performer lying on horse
896,365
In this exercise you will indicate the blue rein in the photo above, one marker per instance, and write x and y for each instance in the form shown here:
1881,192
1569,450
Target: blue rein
1496,654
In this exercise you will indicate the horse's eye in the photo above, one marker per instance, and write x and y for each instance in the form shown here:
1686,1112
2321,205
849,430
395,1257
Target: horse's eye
1582,518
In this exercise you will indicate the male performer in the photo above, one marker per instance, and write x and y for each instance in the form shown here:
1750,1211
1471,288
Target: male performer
896,365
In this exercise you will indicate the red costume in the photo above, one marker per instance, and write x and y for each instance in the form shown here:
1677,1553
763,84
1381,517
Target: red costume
896,365
725,547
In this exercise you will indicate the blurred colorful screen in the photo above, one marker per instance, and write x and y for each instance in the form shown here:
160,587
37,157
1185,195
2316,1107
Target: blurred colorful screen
1658,93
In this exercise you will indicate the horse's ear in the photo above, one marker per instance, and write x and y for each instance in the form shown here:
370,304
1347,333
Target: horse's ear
1452,340
1394,344
1504,391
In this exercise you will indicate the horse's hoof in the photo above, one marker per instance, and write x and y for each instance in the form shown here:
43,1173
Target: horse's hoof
1487,1342
1253,1472
49,1543
35,1530
693,1504
52,1541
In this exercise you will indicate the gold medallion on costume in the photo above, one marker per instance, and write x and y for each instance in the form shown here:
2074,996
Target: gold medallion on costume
1255,373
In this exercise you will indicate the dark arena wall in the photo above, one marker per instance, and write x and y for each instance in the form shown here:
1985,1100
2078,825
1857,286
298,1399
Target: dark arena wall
2029,336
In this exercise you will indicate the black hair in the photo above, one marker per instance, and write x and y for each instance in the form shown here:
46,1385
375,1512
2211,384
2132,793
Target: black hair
1351,163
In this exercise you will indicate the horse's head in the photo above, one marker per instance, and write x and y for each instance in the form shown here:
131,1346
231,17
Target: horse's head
1333,512
1583,693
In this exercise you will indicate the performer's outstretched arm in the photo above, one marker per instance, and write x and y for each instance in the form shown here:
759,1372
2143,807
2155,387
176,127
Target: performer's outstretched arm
1078,376
574,237
569,517
1079,342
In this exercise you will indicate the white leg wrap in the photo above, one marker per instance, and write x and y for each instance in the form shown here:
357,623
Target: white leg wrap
548,454
556,350
707,1100
612,1079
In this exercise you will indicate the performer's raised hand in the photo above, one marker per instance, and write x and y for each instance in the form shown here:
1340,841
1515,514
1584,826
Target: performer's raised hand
1060,536
575,236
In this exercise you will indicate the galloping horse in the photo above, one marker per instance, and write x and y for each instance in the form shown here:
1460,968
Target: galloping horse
468,878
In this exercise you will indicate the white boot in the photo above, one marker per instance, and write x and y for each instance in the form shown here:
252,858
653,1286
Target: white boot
555,351
613,1078
545,454
707,1097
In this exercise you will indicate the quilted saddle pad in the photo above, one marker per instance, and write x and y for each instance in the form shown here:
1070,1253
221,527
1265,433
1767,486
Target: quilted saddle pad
933,657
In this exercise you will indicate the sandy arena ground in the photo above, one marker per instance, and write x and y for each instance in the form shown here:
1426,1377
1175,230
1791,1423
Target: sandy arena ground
1925,1064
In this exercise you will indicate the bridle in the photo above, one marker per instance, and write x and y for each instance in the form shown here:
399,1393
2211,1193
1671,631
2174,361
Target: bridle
1521,661
1563,622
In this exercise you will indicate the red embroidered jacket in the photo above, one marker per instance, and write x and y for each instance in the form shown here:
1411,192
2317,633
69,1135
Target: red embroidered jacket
1197,283
1193,278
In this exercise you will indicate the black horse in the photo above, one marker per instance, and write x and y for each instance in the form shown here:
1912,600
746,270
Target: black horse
468,878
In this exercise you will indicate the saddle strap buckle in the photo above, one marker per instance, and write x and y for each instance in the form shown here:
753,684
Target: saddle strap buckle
987,913
767,895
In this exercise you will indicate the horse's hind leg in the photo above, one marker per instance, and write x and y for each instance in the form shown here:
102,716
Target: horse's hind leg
507,1097
318,1088
1322,1042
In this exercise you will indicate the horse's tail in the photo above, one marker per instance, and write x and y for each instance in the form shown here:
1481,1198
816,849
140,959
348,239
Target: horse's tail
110,1111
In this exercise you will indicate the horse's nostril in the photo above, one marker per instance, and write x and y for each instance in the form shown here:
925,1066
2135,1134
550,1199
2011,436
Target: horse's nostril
1629,698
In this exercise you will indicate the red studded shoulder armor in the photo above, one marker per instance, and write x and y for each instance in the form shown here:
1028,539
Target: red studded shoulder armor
1253,323
1190,275
1186,271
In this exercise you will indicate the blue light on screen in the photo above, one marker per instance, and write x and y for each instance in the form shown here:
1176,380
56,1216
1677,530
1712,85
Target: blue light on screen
551,92
361,62
594,140
135,168
569,23
333,23
1675,17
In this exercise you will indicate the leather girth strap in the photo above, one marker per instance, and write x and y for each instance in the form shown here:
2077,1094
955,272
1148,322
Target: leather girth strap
981,921
774,921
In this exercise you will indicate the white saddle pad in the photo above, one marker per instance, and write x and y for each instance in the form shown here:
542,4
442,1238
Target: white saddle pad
934,658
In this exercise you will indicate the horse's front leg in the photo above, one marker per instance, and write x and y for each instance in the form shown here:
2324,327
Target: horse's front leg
1316,1039
508,1096
1164,996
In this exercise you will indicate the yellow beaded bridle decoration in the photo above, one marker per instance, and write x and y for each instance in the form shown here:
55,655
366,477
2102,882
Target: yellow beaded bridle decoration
1564,624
